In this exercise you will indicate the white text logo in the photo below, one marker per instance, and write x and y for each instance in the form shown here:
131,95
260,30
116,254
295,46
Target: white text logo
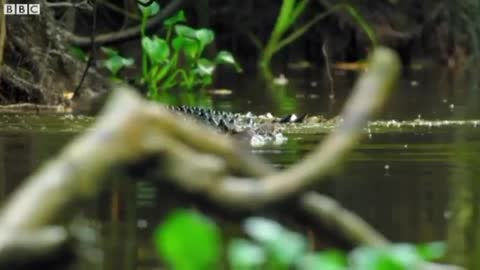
21,9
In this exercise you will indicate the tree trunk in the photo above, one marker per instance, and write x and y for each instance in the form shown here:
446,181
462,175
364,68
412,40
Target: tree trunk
37,67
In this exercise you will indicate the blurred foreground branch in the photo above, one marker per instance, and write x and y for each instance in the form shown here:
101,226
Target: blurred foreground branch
196,157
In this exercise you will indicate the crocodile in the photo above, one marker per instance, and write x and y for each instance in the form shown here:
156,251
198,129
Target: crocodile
259,129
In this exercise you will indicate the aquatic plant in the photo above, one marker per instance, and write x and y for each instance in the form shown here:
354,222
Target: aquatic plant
114,62
289,13
188,241
178,60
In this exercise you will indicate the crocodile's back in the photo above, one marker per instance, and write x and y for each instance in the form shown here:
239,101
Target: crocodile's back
259,130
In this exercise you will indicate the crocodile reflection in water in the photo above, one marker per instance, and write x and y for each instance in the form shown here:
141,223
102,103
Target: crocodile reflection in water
260,130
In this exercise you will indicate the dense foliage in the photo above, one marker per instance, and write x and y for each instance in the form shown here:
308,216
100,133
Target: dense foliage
190,241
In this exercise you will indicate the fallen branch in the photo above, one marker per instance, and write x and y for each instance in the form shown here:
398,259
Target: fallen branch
130,129
331,213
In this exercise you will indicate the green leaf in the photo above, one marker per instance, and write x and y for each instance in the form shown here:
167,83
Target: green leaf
127,62
116,62
150,10
225,57
205,67
284,246
205,36
432,251
243,254
363,23
287,248
263,230
177,18
78,53
110,52
188,241
396,257
185,31
405,254
206,80
157,49
189,46
366,258
328,260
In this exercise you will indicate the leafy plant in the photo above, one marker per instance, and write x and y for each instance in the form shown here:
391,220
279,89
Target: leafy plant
189,241
290,11
177,59
115,62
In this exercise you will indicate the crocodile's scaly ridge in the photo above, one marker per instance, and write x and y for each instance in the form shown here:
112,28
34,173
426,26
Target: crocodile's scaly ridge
261,131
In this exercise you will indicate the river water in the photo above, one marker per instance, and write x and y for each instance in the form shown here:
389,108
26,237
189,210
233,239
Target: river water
398,178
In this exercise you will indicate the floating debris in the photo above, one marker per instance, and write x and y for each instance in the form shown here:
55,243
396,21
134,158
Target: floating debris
422,123
280,80
142,224
220,92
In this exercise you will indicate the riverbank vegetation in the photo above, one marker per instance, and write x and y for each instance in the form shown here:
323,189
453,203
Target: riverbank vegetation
319,33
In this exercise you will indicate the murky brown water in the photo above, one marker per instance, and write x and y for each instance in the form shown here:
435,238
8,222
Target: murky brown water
397,178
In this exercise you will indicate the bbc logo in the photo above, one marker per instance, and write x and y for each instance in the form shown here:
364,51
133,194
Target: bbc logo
21,9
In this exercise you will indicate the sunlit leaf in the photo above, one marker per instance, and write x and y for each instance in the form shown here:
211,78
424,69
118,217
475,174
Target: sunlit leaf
397,257
157,49
263,230
177,18
116,62
185,31
205,36
243,254
205,67
189,46
405,254
188,241
109,52
284,246
225,57
287,248
328,260
432,251
366,258
150,10
128,61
